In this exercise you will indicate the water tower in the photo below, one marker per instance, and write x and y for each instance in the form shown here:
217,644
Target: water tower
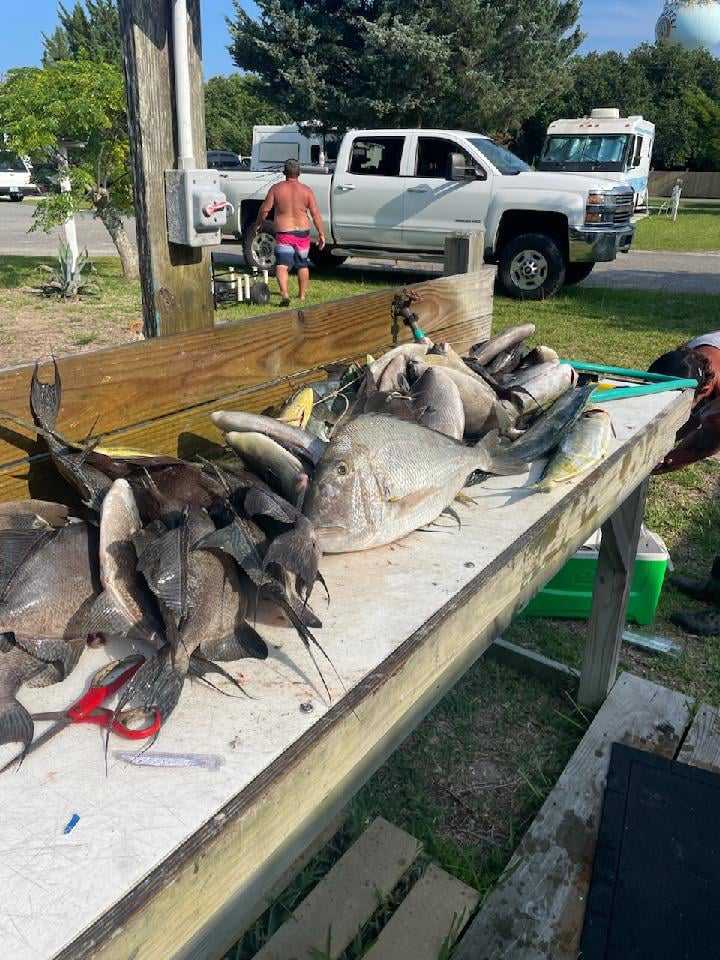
693,24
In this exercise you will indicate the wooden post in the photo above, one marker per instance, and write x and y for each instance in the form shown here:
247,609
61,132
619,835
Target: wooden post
175,280
464,252
620,535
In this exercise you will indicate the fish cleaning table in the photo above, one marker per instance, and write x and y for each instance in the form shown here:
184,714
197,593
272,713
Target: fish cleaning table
173,863
169,862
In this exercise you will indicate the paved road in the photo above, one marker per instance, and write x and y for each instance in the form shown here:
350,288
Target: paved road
638,270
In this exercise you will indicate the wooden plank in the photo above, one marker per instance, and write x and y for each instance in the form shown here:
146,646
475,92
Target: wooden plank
536,910
332,914
616,562
464,252
175,280
428,920
535,664
406,656
702,743
140,383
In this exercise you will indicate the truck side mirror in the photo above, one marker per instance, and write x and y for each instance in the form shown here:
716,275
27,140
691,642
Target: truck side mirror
460,170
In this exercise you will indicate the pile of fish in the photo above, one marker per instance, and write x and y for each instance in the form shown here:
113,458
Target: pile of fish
176,558
376,452
171,556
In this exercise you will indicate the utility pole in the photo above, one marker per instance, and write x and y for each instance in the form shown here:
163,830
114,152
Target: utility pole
175,279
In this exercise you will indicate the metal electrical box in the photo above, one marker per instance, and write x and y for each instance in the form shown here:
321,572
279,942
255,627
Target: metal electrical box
196,207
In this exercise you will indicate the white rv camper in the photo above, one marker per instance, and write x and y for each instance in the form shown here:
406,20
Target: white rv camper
620,148
273,145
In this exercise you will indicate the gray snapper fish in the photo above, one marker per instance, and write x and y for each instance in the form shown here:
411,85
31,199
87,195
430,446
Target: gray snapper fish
485,352
381,478
480,402
299,442
438,403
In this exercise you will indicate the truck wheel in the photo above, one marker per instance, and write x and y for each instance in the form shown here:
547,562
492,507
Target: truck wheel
17,198
577,272
531,267
259,247
326,259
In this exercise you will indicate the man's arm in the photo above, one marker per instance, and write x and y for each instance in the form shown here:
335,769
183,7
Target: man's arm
314,212
267,205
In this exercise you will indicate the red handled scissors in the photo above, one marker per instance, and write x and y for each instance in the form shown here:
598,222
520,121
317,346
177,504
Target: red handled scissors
89,708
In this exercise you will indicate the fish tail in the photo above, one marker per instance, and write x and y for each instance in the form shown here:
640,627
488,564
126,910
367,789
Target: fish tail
156,686
45,399
493,459
309,641
16,724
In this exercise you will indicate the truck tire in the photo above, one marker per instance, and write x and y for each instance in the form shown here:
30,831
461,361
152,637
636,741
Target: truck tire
17,198
325,259
577,272
531,267
259,246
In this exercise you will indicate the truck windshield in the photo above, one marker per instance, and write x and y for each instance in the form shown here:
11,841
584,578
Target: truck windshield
575,152
11,163
500,157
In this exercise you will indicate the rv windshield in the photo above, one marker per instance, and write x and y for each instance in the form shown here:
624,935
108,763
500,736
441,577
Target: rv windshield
574,152
501,158
11,163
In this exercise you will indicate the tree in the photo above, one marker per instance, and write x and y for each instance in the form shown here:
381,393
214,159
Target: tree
704,114
483,64
88,31
233,105
80,102
654,81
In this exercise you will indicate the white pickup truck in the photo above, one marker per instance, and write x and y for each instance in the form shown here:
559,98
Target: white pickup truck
15,177
399,193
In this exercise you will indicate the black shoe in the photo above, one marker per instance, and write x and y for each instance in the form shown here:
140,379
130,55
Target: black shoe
285,302
707,590
706,623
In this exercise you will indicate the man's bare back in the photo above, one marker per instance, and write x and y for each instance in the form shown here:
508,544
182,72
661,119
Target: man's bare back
293,201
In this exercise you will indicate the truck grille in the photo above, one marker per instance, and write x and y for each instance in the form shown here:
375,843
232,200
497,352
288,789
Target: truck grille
624,208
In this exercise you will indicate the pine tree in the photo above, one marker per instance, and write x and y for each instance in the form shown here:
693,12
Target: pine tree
88,31
483,64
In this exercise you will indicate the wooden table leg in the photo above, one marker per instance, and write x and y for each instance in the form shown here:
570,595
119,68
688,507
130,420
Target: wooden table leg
620,535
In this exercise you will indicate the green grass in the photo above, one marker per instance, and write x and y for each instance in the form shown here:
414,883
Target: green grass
693,232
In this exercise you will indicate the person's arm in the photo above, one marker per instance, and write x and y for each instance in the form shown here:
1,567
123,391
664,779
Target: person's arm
698,439
267,205
314,212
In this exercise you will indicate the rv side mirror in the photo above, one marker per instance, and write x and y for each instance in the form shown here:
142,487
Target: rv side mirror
459,169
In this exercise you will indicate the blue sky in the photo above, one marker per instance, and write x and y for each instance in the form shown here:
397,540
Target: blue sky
610,24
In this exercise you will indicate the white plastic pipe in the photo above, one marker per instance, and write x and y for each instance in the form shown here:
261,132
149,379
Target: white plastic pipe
246,281
183,117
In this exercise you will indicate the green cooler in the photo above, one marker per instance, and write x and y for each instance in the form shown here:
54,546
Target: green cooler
569,594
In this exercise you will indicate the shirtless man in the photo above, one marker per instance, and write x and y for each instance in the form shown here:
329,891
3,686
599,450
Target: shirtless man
294,205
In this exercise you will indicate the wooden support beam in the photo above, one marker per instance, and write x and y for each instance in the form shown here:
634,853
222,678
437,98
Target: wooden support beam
175,280
618,550
464,252
535,664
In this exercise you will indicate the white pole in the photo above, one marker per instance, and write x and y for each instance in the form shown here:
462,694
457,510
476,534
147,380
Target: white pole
69,227
266,276
186,153
246,281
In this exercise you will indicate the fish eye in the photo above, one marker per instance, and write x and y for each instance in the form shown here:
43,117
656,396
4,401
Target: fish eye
342,469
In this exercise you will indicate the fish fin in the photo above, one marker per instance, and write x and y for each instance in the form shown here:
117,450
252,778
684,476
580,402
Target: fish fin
297,552
200,667
303,609
16,548
45,399
16,724
156,685
237,543
449,512
466,500
164,564
267,503
412,499
245,643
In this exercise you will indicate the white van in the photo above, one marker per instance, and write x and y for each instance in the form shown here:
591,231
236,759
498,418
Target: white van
15,176
272,145
619,148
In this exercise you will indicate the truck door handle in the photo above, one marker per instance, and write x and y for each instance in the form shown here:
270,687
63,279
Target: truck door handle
421,189
344,187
